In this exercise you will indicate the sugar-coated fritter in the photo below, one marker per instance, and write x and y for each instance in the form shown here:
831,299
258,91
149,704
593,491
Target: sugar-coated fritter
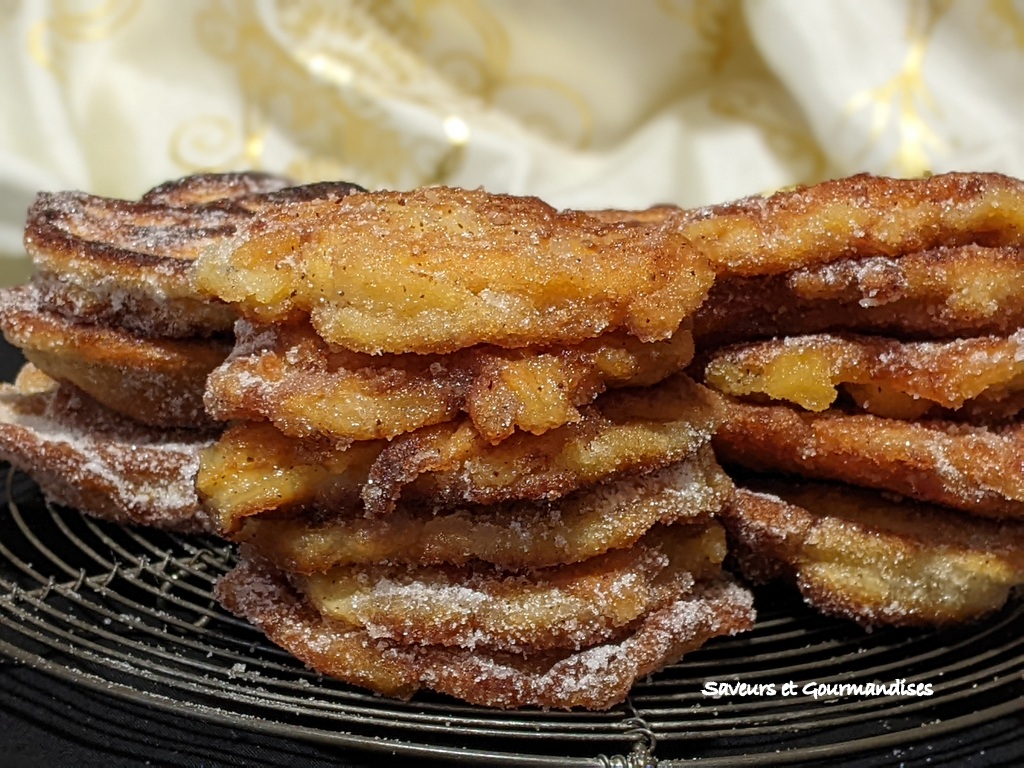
627,430
859,215
125,263
254,468
597,677
514,535
944,293
479,606
156,381
86,457
440,269
291,377
976,469
873,559
883,376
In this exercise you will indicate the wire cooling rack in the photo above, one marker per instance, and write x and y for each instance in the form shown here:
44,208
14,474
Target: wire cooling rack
130,612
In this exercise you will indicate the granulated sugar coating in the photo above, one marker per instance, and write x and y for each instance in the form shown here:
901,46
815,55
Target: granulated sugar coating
254,468
88,458
514,536
595,678
856,216
480,606
156,381
976,469
290,376
440,269
873,559
979,377
938,294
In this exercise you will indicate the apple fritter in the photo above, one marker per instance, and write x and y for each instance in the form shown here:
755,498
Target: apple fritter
291,377
125,263
156,381
513,536
944,293
859,215
976,469
626,430
570,606
597,677
86,457
254,468
439,269
875,560
883,376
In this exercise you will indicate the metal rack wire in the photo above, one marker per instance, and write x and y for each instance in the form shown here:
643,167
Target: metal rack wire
130,612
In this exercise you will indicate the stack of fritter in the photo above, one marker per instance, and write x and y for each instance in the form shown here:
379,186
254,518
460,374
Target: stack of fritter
876,343
108,415
462,455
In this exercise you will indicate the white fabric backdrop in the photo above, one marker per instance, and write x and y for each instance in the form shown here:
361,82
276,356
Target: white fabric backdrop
586,103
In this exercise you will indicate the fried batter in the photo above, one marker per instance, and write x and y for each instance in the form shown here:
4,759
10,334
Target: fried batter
882,376
125,263
595,678
440,269
627,430
971,468
254,468
875,560
85,457
514,535
944,293
159,382
290,376
856,216
475,606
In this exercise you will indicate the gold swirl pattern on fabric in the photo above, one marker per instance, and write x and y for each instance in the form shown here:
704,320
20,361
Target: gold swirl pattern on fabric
739,86
1002,23
905,102
71,23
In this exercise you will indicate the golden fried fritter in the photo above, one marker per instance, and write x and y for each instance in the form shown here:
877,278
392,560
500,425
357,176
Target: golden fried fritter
125,263
97,462
883,376
856,216
626,430
513,535
944,293
439,269
875,560
254,468
291,377
595,678
971,468
156,381
570,606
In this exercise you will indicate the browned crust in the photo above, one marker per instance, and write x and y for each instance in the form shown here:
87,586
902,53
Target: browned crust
982,373
156,381
860,215
875,560
126,262
290,376
943,293
88,458
593,678
974,469
513,536
438,269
